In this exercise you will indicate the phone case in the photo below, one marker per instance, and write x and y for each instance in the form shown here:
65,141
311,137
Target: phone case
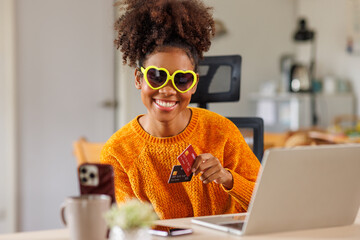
97,179
164,231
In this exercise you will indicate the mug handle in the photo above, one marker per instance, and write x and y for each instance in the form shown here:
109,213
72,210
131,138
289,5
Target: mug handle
62,213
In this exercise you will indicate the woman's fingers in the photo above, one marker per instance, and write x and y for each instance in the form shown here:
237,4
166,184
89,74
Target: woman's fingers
199,162
211,170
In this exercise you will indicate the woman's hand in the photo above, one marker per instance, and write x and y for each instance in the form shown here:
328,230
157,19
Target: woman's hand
212,171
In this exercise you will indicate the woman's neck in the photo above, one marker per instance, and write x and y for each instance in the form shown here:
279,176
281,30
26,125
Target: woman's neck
165,129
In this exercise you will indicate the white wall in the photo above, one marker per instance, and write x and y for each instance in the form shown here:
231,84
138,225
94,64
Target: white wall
7,118
329,19
259,31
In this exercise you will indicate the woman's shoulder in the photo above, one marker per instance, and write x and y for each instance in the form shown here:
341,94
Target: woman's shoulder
209,118
124,138
205,113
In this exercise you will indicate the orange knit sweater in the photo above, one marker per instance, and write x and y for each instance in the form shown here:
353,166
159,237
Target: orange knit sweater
143,164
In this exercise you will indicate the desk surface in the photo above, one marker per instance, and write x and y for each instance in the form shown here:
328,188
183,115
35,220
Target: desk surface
346,232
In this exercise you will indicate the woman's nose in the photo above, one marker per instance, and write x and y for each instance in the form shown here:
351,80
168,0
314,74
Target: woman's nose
168,89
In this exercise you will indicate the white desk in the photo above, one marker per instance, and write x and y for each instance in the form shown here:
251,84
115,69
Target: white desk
347,232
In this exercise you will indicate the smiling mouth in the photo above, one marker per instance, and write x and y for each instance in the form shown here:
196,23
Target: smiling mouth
166,104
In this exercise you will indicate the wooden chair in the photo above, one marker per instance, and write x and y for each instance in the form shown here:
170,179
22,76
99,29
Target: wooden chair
87,152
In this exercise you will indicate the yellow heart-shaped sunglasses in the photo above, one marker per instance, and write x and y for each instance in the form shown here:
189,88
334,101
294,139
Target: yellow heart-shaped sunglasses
157,78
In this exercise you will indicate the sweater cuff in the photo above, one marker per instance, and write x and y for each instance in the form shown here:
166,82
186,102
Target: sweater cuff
242,188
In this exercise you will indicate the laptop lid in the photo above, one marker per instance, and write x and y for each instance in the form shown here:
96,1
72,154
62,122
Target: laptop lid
306,187
299,188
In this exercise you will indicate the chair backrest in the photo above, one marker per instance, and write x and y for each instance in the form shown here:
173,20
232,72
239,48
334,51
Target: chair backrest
87,152
252,129
219,80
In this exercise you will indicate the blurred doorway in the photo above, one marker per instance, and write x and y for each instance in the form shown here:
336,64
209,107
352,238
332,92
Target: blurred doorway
64,90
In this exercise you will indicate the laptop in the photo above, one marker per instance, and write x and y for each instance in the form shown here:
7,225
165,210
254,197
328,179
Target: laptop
299,188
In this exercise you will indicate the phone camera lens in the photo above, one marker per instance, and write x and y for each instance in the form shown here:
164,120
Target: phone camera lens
83,170
92,175
84,180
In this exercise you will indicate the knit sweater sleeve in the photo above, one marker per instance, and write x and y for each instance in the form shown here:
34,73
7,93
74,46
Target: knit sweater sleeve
241,162
122,184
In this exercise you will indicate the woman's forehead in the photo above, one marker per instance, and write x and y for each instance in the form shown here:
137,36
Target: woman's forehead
171,58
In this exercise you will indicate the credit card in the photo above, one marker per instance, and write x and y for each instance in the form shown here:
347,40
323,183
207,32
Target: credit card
186,159
178,175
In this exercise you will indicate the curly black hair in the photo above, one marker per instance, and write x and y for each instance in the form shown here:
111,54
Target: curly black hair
145,26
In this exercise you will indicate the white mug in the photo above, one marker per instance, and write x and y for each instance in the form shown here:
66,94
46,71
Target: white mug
84,216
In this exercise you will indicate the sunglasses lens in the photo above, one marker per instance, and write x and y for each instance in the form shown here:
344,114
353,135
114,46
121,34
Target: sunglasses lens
184,81
156,77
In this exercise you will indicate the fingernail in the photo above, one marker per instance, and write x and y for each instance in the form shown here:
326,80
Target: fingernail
201,178
193,170
205,182
201,172
216,181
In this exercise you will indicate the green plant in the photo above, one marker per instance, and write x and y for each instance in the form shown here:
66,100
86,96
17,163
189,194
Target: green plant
131,214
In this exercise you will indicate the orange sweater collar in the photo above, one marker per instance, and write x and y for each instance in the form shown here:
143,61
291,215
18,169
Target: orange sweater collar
167,140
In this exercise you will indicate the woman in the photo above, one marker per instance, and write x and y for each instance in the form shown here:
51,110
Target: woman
164,40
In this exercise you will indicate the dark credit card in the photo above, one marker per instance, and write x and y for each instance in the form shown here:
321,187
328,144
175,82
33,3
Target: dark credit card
178,175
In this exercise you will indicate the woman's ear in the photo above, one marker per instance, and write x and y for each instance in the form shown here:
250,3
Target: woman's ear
137,78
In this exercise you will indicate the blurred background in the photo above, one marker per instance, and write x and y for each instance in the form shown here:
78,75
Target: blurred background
61,79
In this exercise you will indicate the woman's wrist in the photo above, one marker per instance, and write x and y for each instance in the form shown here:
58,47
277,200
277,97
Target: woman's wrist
229,182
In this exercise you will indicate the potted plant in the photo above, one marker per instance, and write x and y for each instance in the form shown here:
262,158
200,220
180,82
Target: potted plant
130,220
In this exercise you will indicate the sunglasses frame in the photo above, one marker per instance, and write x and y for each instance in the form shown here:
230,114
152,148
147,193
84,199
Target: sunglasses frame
169,77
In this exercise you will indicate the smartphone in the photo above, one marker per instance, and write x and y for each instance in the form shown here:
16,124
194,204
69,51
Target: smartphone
97,179
164,231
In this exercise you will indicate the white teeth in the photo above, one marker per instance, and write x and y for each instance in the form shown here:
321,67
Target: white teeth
165,104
